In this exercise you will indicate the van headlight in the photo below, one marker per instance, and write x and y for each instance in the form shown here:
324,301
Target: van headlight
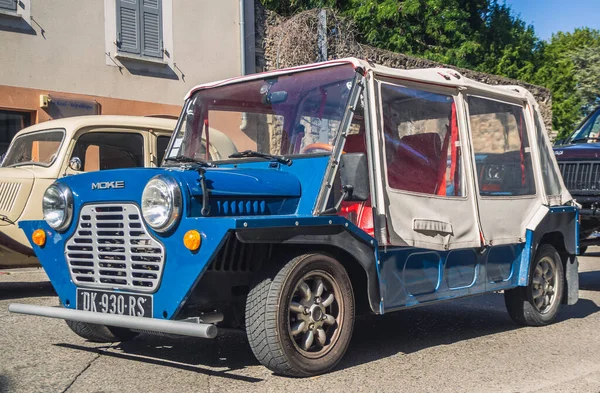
161,203
57,206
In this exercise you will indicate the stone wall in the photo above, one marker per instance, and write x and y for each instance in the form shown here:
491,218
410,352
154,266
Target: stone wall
286,42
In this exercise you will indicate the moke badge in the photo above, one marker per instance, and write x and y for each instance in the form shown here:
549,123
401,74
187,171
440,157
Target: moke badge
107,185
558,152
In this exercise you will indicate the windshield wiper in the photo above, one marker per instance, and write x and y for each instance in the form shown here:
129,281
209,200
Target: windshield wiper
186,159
253,153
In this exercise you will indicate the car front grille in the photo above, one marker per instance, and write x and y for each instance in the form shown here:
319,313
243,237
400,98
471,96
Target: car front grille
111,248
581,176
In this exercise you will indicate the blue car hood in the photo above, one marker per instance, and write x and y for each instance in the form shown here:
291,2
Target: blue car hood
128,184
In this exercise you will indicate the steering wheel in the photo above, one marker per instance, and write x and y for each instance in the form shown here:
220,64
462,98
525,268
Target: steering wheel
317,148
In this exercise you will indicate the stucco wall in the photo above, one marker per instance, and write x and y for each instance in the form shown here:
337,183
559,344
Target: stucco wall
63,49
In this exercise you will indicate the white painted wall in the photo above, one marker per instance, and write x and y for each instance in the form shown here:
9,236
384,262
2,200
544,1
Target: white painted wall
202,37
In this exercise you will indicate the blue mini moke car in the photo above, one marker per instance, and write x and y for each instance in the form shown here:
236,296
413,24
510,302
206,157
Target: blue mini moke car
355,188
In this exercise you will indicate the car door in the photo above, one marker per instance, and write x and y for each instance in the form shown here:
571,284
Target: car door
507,195
429,195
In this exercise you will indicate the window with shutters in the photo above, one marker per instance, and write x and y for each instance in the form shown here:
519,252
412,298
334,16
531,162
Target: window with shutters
10,5
139,27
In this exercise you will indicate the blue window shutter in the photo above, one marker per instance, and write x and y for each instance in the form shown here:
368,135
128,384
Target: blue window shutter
152,28
128,26
8,4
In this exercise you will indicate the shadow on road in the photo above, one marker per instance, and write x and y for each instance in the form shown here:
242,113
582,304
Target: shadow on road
5,385
374,338
590,281
19,290
229,351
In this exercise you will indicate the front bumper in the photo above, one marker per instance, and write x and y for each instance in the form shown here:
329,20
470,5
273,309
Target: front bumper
183,328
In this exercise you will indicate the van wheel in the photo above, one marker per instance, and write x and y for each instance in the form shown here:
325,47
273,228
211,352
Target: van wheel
100,333
582,250
537,304
300,316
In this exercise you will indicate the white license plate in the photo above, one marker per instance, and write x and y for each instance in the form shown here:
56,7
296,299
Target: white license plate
114,303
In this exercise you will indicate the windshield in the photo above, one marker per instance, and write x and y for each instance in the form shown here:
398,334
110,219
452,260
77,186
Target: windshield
589,131
36,148
291,114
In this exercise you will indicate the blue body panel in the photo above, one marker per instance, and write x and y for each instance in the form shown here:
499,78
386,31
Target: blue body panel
411,276
183,268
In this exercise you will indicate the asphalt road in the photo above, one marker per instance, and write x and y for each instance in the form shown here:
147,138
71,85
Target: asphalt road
469,345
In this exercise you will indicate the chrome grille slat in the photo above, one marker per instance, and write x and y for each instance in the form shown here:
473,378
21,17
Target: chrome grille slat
580,175
104,253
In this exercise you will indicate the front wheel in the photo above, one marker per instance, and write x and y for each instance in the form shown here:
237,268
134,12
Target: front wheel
300,316
537,304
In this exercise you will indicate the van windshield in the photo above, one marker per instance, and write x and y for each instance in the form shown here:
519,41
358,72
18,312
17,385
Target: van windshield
291,114
36,148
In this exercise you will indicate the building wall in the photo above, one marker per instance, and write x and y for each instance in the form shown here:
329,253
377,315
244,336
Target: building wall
64,49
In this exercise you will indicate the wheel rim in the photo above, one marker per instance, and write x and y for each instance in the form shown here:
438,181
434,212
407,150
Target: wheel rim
315,314
544,285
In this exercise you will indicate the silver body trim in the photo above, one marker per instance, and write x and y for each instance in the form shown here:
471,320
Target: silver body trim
202,330
111,248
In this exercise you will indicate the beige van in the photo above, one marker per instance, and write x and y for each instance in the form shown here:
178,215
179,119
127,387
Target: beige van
40,154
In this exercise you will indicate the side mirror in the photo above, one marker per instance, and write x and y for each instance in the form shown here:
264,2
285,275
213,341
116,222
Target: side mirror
354,175
75,164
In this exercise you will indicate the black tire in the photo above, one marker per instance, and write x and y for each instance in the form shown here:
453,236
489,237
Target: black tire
100,333
520,301
270,316
582,250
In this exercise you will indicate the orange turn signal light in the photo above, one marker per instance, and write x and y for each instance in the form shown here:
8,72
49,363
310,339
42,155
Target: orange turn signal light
192,240
38,237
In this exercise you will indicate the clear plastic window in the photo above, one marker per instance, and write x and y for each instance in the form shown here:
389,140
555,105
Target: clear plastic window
549,174
421,141
501,147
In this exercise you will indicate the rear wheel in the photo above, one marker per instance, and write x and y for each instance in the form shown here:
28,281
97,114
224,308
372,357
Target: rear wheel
299,317
582,250
100,333
537,304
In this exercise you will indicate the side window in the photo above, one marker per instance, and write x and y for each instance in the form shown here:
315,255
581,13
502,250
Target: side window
161,147
139,27
421,141
549,173
501,147
109,150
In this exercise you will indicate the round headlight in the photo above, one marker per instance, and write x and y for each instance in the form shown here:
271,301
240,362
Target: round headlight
57,206
161,203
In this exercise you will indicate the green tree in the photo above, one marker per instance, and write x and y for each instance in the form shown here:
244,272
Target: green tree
559,72
587,76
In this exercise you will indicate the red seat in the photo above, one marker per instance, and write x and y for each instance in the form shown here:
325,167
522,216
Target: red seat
356,143
416,164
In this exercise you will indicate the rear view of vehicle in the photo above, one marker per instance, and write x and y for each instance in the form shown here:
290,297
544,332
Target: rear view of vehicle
354,188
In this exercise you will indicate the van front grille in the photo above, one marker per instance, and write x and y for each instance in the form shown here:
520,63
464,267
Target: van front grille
111,248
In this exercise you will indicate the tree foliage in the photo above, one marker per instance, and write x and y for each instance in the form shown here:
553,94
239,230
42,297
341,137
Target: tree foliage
565,66
484,35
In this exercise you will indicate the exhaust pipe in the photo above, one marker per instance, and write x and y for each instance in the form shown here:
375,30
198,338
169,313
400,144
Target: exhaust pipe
182,328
